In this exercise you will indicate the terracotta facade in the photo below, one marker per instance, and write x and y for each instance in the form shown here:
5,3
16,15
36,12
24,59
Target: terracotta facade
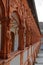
26,24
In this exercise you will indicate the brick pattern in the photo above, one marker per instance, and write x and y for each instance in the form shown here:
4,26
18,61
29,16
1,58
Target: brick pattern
25,16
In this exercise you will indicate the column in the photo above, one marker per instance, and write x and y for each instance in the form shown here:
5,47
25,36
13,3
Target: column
21,37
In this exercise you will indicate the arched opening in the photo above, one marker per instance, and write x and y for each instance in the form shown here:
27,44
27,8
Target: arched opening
14,23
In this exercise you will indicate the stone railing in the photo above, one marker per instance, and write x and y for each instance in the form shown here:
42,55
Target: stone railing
23,57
